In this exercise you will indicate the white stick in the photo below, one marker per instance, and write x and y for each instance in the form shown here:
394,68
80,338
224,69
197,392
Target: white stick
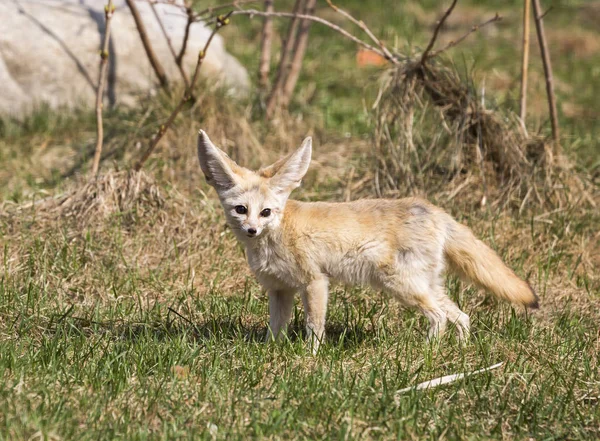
446,379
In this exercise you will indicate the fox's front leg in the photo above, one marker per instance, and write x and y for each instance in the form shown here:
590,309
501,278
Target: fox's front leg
281,303
314,298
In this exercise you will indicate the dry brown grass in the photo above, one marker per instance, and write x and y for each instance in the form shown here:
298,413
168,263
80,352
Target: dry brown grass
126,194
124,221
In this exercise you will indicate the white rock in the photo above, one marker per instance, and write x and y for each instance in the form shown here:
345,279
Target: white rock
49,53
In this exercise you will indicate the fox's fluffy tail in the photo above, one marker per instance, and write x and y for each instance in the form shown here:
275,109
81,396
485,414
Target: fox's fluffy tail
473,259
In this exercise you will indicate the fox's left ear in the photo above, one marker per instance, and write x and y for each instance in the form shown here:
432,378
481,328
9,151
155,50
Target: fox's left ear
290,173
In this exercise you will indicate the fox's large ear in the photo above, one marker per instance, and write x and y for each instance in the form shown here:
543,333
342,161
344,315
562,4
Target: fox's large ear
216,165
290,171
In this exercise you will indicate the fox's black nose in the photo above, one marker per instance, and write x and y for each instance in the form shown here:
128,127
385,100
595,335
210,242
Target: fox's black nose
251,231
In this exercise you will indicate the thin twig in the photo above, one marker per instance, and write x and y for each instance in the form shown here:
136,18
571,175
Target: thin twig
265,47
190,19
285,60
459,40
480,159
184,76
174,3
299,50
163,2
539,24
436,32
546,13
158,69
211,9
182,317
109,10
525,61
336,28
187,95
361,24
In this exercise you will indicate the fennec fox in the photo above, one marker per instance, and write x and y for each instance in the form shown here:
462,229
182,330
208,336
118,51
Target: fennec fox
399,246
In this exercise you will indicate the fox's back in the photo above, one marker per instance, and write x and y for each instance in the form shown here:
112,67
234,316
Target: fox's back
401,222
356,242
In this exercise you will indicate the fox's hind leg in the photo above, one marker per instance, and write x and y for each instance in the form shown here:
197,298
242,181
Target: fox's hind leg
415,292
455,315
428,305
281,303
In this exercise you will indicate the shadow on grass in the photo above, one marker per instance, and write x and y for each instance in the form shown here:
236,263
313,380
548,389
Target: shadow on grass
215,328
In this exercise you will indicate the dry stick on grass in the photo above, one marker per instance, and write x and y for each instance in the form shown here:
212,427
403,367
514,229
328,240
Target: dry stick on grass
426,52
184,76
158,69
447,379
539,24
361,24
525,61
299,49
109,10
265,47
284,62
187,95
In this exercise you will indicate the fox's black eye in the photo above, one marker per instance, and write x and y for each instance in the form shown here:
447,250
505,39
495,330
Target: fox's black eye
240,209
266,212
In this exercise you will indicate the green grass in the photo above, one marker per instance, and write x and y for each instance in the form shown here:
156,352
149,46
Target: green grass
107,373
110,376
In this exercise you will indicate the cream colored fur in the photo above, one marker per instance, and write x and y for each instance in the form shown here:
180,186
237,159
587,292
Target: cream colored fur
399,246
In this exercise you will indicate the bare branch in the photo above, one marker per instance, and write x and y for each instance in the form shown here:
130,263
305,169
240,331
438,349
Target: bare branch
539,24
184,76
473,29
174,3
299,50
163,2
525,61
436,32
212,9
546,13
190,19
265,47
158,69
361,24
336,28
109,10
285,60
187,95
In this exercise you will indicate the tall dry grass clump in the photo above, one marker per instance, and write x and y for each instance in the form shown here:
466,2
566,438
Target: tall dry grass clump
127,195
434,131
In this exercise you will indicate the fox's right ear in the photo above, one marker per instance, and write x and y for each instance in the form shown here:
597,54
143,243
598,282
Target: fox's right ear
218,168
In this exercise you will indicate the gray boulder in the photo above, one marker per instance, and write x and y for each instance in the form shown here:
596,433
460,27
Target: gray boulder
49,53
